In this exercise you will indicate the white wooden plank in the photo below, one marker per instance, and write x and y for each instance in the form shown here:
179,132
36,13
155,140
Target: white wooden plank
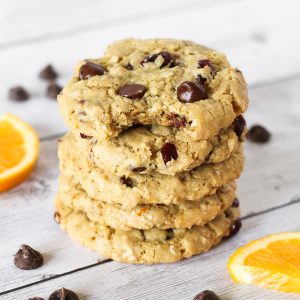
271,178
180,281
228,27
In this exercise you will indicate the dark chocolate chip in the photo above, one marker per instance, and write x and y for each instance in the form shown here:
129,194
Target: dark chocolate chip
170,234
138,169
258,134
169,152
84,136
206,62
36,298
53,90
82,102
18,93
129,67
201,80
132,91
235,203
207,295
63,294
189,92
239,125
89,70
27,258
57,217
169,59
235,227
126,180
177,121
48,73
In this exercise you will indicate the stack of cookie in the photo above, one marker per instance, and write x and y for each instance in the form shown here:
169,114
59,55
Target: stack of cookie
148,168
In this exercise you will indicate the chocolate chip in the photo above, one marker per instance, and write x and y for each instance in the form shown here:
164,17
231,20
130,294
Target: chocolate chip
170,234
169,59
129,67
177,121
132,91
48,73
239,125
53,90
206,62
18,93
89,70
206,295
201,80
126,180
36,298
63,294
84,136
57,217
235,227
169,152
235,203
138,169
189,92
258,134
27,258
82,102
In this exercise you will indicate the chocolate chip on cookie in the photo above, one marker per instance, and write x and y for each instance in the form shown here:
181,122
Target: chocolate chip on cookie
169,59
27,258
48,73
206,62
169,152
89,70
235,203
138,169
18,93
128,67
53,90
189,92
132,91
177,121
84,136
201,80
239,125
126,180
258,134
206,295
63,294
235,227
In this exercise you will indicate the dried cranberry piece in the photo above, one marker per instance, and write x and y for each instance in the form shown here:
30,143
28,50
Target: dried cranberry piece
84,136
169,152
177,121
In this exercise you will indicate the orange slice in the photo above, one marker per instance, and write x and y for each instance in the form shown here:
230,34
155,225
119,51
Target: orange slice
19,150
271,262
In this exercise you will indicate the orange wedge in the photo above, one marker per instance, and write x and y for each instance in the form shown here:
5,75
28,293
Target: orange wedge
19,150
271,262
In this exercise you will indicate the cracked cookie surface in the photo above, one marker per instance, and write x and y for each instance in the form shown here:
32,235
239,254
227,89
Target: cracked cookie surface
157,82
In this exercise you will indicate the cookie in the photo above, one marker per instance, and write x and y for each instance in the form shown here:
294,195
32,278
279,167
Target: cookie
157,82
144,149
146,188
183,215
146,246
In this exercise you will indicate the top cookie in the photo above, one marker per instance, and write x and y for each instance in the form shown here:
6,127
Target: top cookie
157,82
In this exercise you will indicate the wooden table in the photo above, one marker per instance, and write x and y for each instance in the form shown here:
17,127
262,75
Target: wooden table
261,37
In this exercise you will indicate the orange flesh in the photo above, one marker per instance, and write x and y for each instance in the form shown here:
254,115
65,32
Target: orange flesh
11,146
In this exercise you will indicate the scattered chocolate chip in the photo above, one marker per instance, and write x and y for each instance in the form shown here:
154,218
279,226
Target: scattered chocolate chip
36,298
57,217
27,258
207,295
189,92
89,70
235,227
177,121
126,180
169,152
84,136
138,169
53,90
48,73
235,203
18,93
169,59
206,62
129,67
132,91
239,125
63,294
258,134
